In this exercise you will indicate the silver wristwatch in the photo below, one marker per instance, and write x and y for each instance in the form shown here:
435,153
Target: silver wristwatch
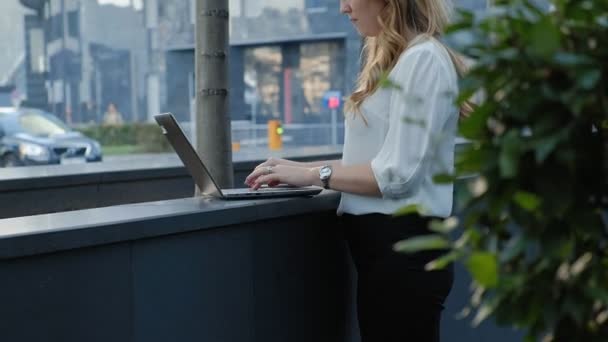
325,175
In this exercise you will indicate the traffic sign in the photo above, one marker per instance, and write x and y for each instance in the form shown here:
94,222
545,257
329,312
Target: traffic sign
332,99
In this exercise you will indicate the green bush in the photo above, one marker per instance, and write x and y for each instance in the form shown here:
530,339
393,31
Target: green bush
147,137
113,135
535,232
150,139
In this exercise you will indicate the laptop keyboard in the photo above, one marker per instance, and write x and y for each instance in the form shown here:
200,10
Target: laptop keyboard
260,190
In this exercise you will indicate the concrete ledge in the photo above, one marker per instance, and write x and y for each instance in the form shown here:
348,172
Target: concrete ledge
23,236
49,189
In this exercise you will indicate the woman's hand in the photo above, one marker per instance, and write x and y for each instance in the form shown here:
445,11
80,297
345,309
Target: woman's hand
279,161
281,174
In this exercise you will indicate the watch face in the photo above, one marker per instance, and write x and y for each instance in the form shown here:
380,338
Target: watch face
325,172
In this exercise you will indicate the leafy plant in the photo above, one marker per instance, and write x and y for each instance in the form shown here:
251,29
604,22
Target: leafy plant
533,217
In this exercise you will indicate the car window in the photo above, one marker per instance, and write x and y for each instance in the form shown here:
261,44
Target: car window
42,125
8,124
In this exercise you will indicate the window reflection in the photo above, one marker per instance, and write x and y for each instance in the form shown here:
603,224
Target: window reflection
316,63
288,82
262,81
37,60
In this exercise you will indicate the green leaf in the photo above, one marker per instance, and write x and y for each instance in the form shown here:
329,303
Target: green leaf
544,38
475,125
509,155
598,292
473,159
409,120
422,243
444,226
444,178
483,267
410,209
558,247
484,311
443,261
544,147
385,82
527,200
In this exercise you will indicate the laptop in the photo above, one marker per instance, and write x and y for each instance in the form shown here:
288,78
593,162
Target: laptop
203,179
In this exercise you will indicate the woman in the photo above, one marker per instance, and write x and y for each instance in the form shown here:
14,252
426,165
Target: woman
396,140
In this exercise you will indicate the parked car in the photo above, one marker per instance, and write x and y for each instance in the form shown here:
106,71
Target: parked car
33,137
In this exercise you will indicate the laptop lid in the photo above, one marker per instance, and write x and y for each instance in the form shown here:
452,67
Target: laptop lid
202,177
174,133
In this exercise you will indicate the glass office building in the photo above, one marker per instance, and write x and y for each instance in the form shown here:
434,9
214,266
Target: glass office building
83,55
286,56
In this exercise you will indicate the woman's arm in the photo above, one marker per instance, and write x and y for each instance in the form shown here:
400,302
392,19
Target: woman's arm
354,179
333,163
280,161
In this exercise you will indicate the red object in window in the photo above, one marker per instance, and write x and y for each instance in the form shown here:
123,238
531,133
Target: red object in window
334,102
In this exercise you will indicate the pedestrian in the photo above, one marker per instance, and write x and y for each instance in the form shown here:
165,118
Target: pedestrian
396,139
112,116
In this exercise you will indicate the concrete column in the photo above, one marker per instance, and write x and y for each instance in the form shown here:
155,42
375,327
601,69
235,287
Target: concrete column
213,138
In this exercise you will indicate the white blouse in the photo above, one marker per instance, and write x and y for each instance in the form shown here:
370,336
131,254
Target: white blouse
409,136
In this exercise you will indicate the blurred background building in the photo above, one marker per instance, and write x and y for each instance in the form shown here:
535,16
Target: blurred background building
284,56
80,56
83,55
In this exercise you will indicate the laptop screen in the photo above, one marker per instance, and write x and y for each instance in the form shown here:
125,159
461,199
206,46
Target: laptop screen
187,154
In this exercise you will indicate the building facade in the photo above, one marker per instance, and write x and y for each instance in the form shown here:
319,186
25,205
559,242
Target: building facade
286,56
82,56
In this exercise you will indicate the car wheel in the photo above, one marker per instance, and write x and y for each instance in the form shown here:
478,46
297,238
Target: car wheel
9,160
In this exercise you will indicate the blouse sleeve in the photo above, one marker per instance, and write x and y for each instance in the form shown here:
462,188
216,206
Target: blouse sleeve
419,107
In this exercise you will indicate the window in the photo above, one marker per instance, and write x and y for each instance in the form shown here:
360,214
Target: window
38,124
262,80
87,60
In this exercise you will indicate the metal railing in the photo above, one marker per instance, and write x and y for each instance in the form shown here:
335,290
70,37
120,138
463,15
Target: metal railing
247,134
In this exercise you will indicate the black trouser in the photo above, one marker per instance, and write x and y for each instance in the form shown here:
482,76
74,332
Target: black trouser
397,300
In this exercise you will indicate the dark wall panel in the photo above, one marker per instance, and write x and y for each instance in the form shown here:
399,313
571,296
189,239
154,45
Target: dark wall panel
194,287
79,295
300,277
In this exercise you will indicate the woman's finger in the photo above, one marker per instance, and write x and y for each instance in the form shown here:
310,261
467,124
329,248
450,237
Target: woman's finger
266,179
253,176
268,162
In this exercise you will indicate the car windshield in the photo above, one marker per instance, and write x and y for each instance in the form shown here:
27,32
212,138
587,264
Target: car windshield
41,125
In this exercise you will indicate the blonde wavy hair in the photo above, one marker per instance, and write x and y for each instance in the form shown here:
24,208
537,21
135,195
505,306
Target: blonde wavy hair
403,23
